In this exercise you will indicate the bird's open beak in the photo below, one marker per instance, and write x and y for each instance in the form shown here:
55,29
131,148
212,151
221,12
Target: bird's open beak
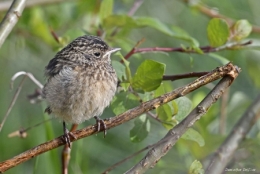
112,50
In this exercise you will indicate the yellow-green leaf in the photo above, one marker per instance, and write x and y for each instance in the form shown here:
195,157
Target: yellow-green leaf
106,9
196,168
241,29
218,32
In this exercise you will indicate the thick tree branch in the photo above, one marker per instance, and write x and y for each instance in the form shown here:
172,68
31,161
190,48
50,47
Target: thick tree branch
165,144
10,19
225,152
219,72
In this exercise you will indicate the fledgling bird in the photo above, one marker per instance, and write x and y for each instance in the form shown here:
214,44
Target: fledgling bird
81,81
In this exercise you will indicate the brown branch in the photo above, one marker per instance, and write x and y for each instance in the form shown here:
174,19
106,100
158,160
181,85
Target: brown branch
228,69
10,19
162,147
184,76
204,49
222,156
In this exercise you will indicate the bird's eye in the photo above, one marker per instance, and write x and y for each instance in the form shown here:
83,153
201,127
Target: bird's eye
97,54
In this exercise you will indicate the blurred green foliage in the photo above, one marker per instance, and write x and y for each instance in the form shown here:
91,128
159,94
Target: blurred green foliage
163,24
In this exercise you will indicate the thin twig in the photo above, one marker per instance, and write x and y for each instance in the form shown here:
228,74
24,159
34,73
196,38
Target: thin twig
215,14
23,132
223,113
218,73
131,12
17,92
127,158
162,147
205,49
226,151
28,75
135,7
10,19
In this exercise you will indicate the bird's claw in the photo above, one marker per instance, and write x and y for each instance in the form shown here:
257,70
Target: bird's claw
101,122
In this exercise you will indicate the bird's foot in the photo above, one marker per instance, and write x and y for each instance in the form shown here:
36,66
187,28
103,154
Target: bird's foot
102,123
67,135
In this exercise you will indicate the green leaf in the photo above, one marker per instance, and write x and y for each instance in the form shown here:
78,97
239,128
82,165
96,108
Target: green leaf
174,31
124,101
120,69
164,88
181,34
148,76
241,29
125,85
119,21
193,135
106,9
40,26
153,23
184,107
164,112
127,68
127,23
218,32
196,168
140,130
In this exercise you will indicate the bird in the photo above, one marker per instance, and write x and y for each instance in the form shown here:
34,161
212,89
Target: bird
81,82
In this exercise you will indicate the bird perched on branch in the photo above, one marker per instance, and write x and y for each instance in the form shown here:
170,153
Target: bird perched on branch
81,82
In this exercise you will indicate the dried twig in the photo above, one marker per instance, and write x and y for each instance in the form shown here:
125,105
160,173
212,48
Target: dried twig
20,73
10,19
219,72
17,92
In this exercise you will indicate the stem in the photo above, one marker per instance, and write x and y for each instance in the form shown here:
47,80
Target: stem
10,19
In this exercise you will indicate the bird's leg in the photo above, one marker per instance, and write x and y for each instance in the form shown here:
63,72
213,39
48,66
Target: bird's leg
101,122
67,135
